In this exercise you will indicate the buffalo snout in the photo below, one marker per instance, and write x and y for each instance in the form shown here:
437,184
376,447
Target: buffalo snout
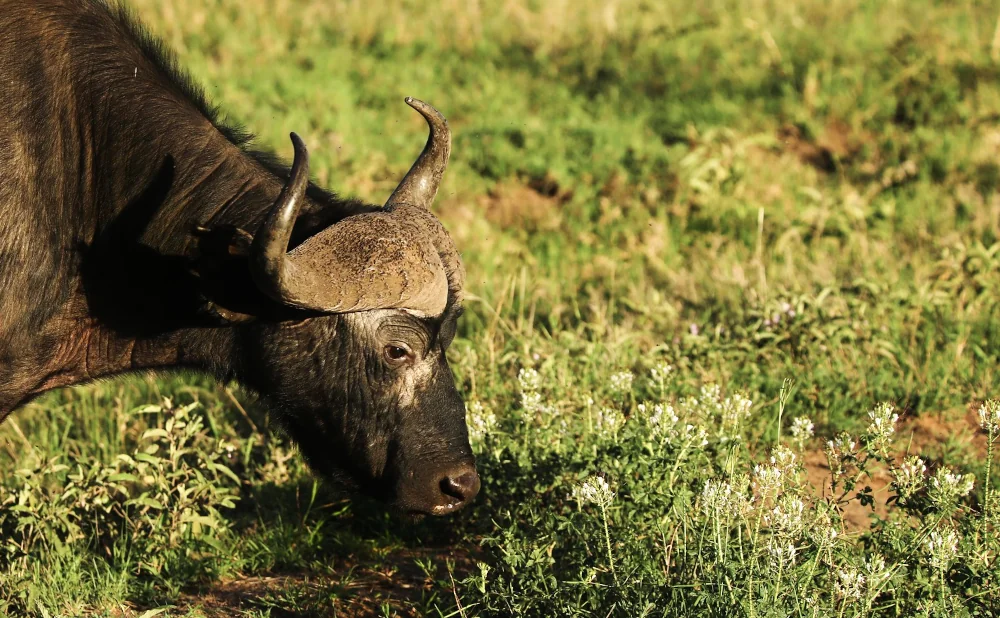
439,490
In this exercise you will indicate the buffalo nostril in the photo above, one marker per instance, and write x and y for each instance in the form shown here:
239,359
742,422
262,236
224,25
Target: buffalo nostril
462,485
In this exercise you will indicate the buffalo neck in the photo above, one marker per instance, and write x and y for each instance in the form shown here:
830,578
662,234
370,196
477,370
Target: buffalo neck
120,163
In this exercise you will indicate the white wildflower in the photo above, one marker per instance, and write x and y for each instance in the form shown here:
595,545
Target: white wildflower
532,404
909,478
846,444
610,420
767,480
839,450
876,570
661,372
714,497
481,421
724,499
529,380
782,554
621,382
662,419
594,490
733,411
689,435
783,458
785,519
849,585
989,417
729,412
822,530
948,486
882,424
710,394
942,548
771,479
802,430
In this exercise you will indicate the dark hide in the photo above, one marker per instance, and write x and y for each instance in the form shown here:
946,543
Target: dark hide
122,200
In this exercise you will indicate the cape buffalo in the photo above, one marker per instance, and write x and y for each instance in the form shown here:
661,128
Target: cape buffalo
138,231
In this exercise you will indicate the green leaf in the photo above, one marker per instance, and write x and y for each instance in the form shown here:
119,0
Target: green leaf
156,432
145,500
123,477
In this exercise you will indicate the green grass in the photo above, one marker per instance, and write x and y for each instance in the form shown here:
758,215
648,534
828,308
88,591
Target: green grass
632,183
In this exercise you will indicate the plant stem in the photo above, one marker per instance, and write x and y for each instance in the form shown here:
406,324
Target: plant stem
944,604
782,400
607,540
989,465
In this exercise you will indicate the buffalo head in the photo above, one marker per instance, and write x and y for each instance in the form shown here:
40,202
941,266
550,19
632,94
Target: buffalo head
359,375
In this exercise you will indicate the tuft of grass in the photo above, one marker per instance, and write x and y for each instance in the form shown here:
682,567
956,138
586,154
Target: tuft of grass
749,192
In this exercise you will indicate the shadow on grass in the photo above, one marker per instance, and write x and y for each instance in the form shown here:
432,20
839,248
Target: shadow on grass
306,549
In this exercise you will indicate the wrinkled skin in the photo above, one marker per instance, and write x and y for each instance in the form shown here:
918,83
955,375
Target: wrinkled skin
109,162
414,430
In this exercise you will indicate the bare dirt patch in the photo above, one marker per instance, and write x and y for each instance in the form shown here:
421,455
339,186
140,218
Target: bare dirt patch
532,206
360,588
837,142
930,435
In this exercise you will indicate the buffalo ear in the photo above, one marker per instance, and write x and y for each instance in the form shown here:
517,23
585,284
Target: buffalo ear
219,261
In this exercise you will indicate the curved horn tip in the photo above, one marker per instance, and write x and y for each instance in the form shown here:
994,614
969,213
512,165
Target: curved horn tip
300,163
297,143
426,110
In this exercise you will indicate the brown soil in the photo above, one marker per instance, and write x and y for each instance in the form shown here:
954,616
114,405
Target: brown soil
837,142
535,206
360,589
930,435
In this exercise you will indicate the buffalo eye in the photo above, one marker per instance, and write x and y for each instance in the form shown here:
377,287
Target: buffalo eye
397,354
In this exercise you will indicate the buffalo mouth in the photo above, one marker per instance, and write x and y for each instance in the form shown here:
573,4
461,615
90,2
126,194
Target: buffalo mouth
439,490
429,494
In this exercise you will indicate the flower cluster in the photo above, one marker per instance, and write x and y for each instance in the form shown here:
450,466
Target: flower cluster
783,458
881,426
941,548
710,406
481,421
661,373
594,490
661,418
610,420
948,486
722,499
989,417
909,477
771,479
781,553
850,585
532,404
529,380
802,430
665,423
787,517
733,411
621,383
877,572
840,451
